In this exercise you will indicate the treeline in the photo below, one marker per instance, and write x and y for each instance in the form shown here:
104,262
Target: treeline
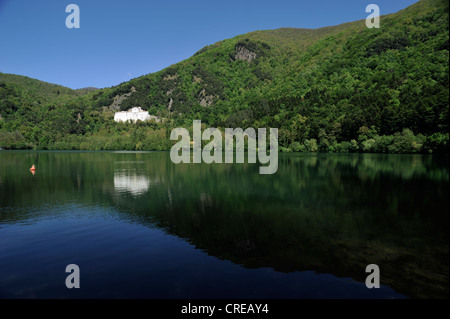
370,142
115,136
156,137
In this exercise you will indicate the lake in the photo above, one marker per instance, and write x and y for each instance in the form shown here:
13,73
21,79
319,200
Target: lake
139,226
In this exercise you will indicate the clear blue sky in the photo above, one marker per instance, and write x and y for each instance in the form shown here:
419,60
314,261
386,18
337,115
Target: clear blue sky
121,40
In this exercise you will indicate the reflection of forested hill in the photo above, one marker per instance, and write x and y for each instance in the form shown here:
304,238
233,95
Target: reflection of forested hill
331,214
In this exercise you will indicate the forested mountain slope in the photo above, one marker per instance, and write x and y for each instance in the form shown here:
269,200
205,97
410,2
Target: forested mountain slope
344,88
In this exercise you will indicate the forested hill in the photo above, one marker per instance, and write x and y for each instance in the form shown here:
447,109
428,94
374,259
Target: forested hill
345,88
36,89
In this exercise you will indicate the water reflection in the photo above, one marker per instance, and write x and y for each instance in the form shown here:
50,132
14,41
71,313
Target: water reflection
131,177
125,181
324,213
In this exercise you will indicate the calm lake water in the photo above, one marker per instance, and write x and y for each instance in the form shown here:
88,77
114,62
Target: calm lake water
139,226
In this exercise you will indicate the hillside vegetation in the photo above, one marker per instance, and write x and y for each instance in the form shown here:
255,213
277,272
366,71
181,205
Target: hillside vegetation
345,88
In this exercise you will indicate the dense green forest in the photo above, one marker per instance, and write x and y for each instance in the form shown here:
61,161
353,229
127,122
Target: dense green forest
345,88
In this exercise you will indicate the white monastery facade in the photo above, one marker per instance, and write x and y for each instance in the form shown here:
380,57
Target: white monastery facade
134,114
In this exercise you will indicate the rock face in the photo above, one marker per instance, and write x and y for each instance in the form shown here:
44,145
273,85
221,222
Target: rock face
118,99
242,53
133,115
205,99
171,77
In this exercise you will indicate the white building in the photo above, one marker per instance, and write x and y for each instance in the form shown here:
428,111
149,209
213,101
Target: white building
135,114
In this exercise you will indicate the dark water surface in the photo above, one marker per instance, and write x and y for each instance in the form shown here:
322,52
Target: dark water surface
139,226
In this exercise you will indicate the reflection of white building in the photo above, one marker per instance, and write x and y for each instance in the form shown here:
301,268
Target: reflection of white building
126,181
134,114
135,184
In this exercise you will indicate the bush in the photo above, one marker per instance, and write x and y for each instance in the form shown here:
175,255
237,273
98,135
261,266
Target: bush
311,145
354,146
369,145
285,149
13,140
382,143
296,147
437,143
406,142
343,147
139,146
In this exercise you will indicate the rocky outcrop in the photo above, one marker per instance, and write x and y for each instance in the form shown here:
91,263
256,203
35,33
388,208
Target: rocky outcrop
170,77
118,99
196,79
205,99
242,53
